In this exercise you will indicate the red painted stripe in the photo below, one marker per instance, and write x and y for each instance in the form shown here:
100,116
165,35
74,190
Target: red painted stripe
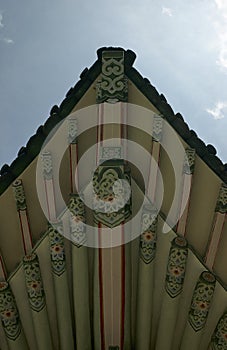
159,159
122,289
219,240
47,199
48,208
189,203
97,146
97,138
77,154
149,174
122,125
99,132
71,168
29,228
102,328
3,267
101,126
54,201
22,232
211,236
77,161
125,135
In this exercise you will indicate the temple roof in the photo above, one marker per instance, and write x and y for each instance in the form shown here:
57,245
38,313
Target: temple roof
26,154
148,274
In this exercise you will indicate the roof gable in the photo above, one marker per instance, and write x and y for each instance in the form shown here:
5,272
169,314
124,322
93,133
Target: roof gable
26,154
62,285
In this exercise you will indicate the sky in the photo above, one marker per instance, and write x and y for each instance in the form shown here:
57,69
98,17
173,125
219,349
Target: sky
181,48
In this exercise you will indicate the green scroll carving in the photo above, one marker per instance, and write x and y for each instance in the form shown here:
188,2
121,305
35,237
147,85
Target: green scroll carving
72,130
112,202
19,195
157,128
113,86
47,165
189,161
221,205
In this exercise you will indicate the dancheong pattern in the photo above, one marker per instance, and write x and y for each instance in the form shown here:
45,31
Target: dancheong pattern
8,312
57,251
219,338
221,206
72,130
34,282
19,195
176,266
148,237
111,153
77,220
47,165
189,161
157,128
112,197
113,85
201,300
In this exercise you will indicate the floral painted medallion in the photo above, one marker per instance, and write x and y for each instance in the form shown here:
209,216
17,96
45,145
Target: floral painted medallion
112,197
57,251
176,266
219,339
148,236
34,282
9,313
201,300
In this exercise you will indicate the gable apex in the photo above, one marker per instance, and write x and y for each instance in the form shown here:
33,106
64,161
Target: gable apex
88,76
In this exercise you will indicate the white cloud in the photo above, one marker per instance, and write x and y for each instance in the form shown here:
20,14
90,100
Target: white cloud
222,59
8,40
167,11
217,111
4,39
1,21
221,28
222,6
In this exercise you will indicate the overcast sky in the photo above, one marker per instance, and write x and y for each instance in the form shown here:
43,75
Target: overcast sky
181,47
